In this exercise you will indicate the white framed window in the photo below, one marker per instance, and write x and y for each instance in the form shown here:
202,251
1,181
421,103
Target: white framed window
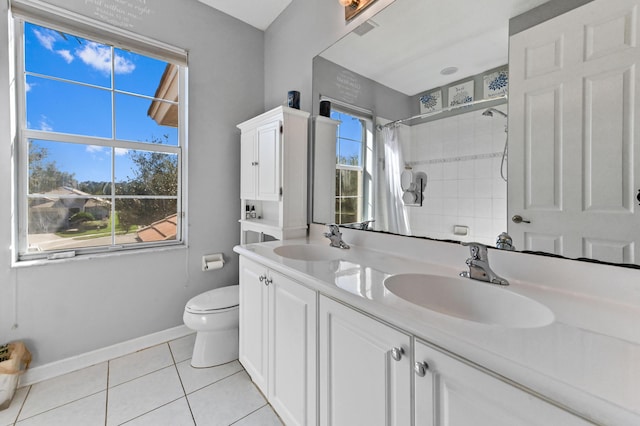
353,140
99,149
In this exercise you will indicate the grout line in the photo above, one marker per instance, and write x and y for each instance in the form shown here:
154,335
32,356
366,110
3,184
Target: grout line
24,401
106,402
61,405
184,391
150,411
144,375
248,414
217,381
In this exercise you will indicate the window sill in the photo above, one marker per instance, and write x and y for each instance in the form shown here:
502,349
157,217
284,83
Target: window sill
119,253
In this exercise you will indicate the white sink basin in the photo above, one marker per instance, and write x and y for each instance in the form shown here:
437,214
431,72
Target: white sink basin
470,300
309,252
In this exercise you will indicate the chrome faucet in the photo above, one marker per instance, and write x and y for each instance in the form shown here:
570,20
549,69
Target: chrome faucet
479,268
364,225
335,236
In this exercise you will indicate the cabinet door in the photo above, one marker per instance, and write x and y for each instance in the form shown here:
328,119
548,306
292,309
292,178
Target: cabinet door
253,322
292,351
248,166
360,382
454,393
268,158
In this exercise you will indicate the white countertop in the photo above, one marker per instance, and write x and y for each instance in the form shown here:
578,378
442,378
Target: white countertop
587,360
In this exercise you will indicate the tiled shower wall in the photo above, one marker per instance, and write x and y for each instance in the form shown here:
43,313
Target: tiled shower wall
461,156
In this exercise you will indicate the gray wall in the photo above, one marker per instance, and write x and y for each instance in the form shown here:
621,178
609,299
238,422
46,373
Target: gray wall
344,85
70,308
302,31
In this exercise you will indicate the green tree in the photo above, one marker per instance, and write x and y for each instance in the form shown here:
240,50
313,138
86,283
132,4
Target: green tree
155,173
44,175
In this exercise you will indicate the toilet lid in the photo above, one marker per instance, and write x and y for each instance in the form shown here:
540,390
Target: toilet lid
214,300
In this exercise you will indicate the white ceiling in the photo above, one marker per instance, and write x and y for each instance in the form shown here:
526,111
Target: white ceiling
257,13
415,39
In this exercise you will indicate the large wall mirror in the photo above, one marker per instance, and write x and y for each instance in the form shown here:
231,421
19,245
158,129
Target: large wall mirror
436,71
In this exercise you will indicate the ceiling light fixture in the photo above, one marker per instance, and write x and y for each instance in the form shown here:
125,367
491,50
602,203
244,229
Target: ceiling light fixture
354,7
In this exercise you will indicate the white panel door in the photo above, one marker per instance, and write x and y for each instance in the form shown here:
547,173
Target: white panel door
360,381
574,150
453,393
268,158
292,351
253,350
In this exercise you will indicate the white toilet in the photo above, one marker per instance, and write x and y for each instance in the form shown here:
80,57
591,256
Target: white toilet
214,316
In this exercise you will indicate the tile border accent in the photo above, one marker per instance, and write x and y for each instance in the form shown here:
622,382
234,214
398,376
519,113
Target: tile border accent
456,159
77,362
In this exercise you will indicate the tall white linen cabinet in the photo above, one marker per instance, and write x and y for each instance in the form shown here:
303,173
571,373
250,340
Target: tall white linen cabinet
273,175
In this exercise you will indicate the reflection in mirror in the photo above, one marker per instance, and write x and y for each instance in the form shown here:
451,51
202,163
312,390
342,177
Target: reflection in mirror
398,65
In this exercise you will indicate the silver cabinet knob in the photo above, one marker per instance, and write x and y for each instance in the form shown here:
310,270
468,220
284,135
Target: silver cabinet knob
518,219
268,281
421,368
262,278
396,353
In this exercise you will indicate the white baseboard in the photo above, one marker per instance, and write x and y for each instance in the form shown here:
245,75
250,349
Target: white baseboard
64,366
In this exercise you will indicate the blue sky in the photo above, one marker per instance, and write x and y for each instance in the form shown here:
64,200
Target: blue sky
349,136
68,107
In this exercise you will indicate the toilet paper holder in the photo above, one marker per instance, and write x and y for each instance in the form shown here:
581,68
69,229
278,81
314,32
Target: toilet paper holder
212,262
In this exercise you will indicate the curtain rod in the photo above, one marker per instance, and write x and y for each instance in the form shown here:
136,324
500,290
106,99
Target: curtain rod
440,111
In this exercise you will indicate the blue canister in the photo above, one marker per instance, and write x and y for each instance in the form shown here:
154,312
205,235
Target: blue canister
293,99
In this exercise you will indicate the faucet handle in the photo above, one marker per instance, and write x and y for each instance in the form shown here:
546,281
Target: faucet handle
478,250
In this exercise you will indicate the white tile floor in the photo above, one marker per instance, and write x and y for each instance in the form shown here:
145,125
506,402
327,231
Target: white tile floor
153,387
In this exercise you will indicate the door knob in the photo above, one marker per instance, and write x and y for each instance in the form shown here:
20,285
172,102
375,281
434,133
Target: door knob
396,353
518,219
421,368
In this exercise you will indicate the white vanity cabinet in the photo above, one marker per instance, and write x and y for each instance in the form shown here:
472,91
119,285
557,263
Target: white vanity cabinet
365,369
454,393
278,340
273,173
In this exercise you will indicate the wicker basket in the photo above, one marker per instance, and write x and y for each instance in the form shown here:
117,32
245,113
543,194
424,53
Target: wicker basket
14,360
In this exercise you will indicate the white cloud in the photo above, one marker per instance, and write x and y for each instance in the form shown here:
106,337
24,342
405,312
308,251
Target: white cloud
27,86
121,151
44,125
66,55
99,57
46,37
94,148
123,65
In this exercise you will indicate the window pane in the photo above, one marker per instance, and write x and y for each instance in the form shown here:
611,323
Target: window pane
56,106
347,210
349,152
67,222
146,220
133,121
349,183
61,55
145,74
146,173
350,127
66,168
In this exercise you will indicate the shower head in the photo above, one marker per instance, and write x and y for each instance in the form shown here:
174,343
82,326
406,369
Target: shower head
489,112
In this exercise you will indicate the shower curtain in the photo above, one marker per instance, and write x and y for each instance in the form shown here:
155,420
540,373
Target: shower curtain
391,214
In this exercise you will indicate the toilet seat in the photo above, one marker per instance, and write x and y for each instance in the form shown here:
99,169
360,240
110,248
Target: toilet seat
215,301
